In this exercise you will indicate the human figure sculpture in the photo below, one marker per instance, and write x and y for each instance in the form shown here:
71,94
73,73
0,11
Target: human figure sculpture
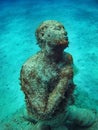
47,80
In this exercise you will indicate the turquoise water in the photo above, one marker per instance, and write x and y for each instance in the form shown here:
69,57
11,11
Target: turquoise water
18,22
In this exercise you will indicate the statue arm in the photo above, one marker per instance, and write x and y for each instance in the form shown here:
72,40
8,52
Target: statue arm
57,94
35,96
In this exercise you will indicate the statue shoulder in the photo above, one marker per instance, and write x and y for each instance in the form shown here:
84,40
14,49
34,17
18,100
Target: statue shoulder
30,65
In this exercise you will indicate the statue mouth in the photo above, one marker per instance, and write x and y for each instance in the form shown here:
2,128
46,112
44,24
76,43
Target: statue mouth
63,42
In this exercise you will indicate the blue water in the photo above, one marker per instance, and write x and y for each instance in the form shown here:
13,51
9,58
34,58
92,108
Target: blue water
18,22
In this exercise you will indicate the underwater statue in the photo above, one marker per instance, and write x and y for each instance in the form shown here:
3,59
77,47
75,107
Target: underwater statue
47,81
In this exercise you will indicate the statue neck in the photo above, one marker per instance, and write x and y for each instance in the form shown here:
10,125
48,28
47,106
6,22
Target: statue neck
54,56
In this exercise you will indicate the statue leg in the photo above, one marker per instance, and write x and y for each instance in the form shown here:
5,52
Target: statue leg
41,126
80,116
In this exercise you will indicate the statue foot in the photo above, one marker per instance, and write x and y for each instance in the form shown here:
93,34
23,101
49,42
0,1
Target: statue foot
80,116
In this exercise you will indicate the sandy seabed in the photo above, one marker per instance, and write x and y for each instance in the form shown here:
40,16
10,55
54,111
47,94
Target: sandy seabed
18,22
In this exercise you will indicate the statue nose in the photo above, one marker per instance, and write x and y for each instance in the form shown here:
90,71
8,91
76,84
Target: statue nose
65,33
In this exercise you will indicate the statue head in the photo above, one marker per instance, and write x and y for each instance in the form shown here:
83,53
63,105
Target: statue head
51,34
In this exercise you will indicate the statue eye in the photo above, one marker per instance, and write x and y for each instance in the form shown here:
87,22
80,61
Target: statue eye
42,34
48,35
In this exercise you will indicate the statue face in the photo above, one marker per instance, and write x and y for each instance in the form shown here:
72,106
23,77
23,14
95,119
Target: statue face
53,34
